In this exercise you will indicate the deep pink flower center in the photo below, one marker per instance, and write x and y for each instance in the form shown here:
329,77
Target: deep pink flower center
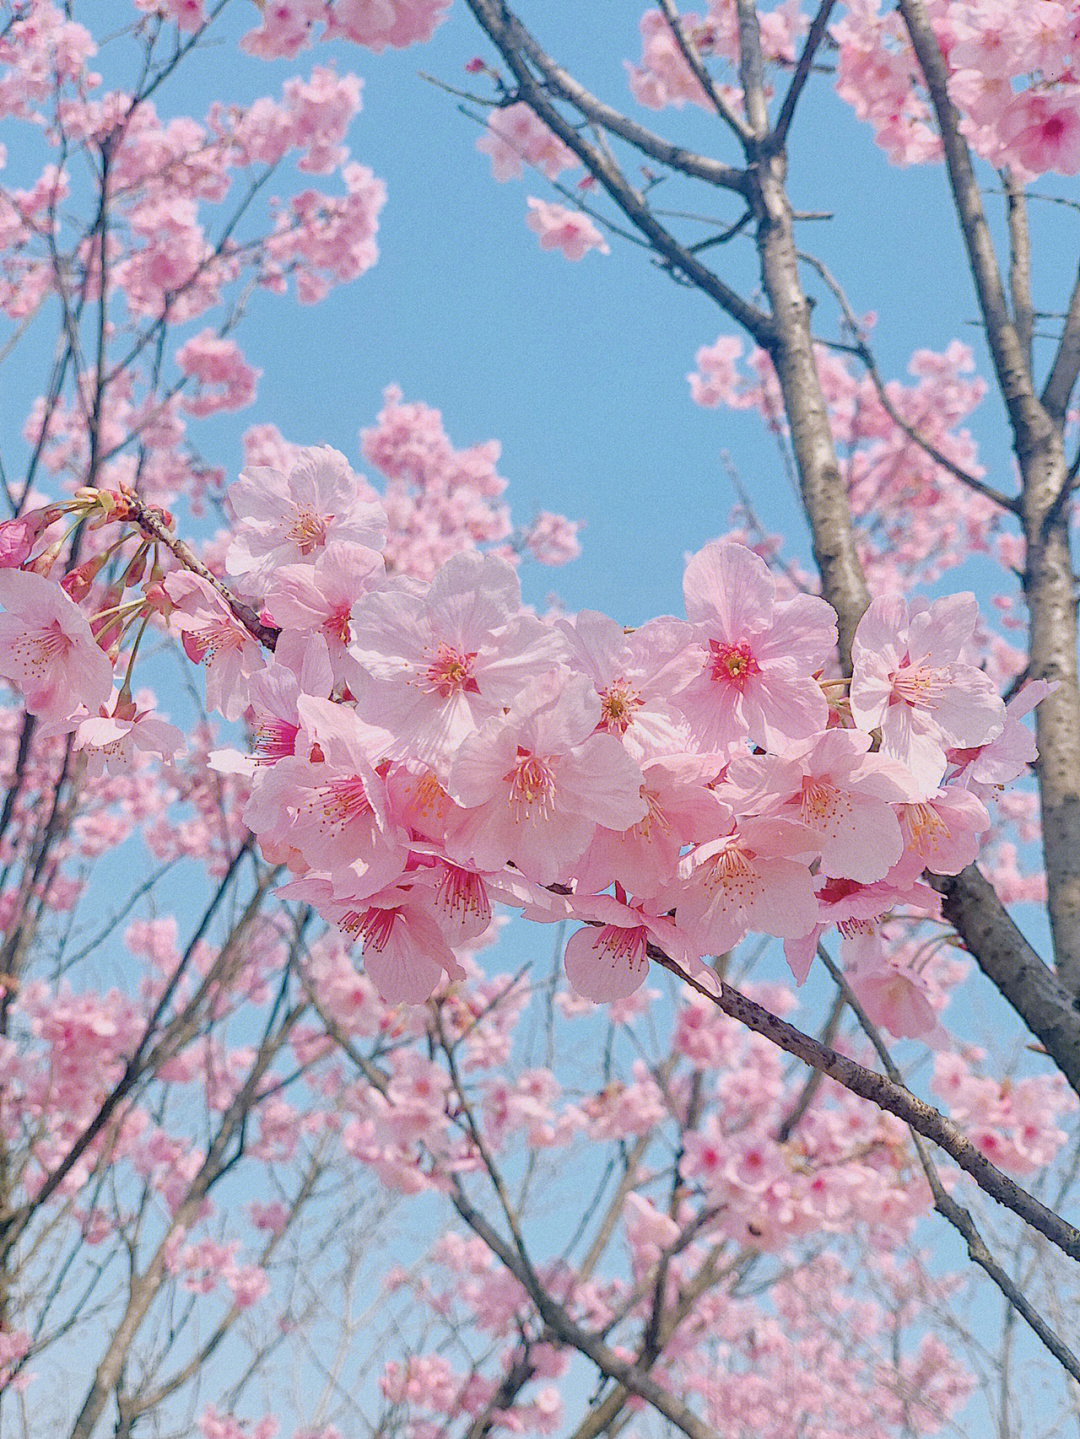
462,892
451,672
343,800
274,739
732,664
624,945
337,624
374,926
212,640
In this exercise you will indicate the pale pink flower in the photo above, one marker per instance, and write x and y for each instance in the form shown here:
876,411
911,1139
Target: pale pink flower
559,228
332,808
435,663
535,784
116,737
988,767
379,23
219,363
48,650
750,672
608,959
405,952
1042,130
755,878
841,792
892,990
941,834
631,674
210,631
854,909
909,682
316,600
283,519
681,810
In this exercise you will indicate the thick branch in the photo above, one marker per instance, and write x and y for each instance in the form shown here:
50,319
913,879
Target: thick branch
971,905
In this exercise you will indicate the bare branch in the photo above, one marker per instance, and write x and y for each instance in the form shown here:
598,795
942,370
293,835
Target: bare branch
815,35
954,1213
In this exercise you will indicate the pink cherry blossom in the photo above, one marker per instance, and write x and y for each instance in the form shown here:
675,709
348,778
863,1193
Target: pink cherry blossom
115,738
328,803
631,675
909,681
516,137
285,518
834,786
535,784
210,632
750,879
434,664
317,599
48,650
559,228
750,671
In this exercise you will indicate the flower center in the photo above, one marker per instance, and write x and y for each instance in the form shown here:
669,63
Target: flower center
618,707
732,664
921,688
274,739
462,893
450,672
922,825
731,871
211,641
37,651
336,626
308,529
532,786
374,926
818,804
624,945
341,801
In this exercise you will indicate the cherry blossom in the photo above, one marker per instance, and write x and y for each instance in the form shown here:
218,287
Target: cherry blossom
559,228
908,679
285,518
47,648
750,669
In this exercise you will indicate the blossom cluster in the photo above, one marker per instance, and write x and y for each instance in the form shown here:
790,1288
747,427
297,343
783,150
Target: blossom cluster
1014,73
424,748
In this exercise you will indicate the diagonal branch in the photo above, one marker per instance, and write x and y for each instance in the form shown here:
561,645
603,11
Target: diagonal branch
815,35
895,1098
692,55
866,355
955,1214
